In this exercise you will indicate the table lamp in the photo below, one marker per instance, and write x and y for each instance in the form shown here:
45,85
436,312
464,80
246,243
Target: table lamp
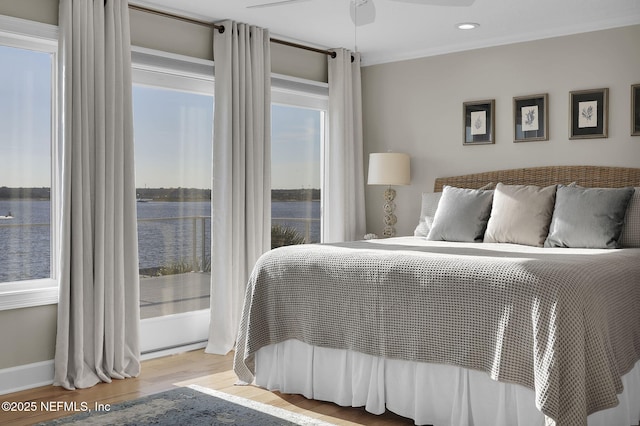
389,168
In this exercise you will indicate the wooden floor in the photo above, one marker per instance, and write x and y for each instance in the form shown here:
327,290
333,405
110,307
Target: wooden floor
195,367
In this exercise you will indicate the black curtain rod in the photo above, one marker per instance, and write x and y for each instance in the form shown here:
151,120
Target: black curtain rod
220,28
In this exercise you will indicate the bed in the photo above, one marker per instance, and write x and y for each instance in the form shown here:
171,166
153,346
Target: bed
492,314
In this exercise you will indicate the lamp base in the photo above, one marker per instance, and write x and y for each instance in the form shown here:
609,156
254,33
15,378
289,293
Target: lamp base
390,219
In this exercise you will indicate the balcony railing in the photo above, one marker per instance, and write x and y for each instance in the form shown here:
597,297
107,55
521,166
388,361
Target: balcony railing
303,225
197,241
195,244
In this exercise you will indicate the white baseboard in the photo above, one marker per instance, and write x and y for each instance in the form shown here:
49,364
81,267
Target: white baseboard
26,376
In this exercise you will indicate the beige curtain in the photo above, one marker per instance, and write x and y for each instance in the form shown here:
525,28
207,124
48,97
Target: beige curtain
98,309
241,194
343,186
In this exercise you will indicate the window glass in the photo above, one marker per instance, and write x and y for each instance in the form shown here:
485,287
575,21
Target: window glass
173,148
25,164
296,139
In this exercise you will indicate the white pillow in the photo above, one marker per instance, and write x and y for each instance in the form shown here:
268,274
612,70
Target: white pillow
520,214
430,202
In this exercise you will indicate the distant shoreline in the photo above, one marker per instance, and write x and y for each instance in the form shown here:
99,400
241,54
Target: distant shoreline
311,194
25,193
164,194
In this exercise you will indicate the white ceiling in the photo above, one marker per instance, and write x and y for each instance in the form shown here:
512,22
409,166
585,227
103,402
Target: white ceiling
405,30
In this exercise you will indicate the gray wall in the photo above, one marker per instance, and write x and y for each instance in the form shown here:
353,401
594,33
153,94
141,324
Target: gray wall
170,35
45,11
416,107
29,335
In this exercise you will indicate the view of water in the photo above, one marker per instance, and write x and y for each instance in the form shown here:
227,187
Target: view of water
168,232
25,245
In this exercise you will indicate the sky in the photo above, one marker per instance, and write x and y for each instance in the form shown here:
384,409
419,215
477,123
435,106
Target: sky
25,118
173,131
295,146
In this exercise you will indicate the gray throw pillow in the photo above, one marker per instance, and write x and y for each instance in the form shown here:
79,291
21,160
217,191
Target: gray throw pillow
462,215
428,209
520,214
588,217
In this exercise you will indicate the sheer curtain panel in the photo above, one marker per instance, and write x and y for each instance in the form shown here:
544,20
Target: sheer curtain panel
98,309
343,175
241,191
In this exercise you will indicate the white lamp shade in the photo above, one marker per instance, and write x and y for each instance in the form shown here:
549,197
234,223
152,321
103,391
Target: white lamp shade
389,168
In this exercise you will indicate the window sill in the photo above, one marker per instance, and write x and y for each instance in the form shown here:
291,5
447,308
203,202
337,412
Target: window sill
25,294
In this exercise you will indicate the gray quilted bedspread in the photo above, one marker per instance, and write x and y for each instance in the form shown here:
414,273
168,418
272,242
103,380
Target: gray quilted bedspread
563,322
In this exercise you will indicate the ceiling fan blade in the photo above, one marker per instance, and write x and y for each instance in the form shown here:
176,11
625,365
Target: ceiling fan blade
362,12
275,3
456,3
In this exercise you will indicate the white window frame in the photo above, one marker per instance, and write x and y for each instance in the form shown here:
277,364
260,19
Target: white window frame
30,35
299,92
160,69
153,68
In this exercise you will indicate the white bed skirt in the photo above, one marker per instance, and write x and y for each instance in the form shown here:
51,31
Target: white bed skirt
434,394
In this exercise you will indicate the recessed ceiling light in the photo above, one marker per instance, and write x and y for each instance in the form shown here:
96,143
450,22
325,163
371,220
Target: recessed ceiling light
467,26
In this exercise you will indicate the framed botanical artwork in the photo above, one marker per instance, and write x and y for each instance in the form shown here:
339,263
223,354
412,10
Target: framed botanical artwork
589,113
530,118
478,122
635,110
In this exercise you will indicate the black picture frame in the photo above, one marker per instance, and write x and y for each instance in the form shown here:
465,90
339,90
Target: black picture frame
635,110
478,122
589,114
531,118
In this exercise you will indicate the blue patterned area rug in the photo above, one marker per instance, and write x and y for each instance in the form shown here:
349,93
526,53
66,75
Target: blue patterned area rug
193,405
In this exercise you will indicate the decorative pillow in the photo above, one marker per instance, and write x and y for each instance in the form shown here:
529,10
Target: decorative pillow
520,214
462,215
427,212
588,217
630,236
428,209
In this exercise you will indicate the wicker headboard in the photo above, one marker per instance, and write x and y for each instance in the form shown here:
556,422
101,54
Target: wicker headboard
587,176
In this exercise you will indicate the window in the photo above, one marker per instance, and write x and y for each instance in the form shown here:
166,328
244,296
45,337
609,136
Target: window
25,164
27,98
297,137
173,142
173,130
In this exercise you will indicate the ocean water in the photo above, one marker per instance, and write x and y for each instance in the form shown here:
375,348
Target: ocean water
168,233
